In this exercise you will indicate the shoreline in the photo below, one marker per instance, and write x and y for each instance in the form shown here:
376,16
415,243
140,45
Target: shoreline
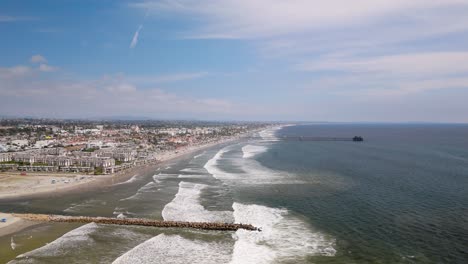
95,183
90,182
13,224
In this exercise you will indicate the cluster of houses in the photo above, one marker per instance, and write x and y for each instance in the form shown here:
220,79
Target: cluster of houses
103,161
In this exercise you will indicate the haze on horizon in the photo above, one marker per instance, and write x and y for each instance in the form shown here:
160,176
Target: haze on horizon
363,60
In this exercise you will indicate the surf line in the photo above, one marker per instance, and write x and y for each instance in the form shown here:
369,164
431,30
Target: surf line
137,222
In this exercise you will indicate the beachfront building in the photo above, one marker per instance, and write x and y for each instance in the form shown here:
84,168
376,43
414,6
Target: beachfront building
57,161
125,155
24,157
5,157
54,151
76,169
120,154
38,168
102,162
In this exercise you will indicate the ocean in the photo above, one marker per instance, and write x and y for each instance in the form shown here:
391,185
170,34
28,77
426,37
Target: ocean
398,197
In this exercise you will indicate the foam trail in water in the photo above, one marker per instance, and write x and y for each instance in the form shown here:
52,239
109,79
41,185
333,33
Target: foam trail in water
147,188
134,178
60,247
283,237
250,151
186,206
199,155
193,170
13,245
253,172
176,249
162,176
90,203
269,134
189,176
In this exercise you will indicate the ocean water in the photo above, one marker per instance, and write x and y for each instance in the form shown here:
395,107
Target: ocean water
398,197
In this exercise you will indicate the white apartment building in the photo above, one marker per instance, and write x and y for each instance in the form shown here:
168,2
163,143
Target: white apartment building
5,157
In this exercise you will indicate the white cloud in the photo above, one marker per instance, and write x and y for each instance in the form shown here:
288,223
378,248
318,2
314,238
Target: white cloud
269,18
38,59
168,77
109,95
121,88
15,72
47,68
414,64
135,37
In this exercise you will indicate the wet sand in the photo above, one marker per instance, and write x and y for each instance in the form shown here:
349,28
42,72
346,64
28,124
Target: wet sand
12,224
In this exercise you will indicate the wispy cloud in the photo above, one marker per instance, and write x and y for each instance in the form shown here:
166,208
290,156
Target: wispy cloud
175,77
391,76
15,72
5,18
25,86
135,37
418,64
47,68
270,18
38,59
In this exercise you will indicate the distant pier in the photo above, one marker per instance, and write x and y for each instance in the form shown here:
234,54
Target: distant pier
307,138
136,222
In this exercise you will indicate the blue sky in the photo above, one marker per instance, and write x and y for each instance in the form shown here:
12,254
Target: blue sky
362,60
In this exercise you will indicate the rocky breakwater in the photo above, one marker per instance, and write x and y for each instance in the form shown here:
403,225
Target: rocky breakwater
136,222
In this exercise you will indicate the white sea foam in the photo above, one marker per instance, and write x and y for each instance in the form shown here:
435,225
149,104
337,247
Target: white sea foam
84,205
119,211
283,237
60,247
13,245
193,170
176,249
147,188
199,155
251,151
186,206
252,172
192,176
269,134
162,176
134,178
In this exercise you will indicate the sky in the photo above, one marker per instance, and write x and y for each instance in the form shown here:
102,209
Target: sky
310,60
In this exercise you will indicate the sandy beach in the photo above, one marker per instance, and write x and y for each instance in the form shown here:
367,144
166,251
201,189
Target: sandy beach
13,185
12,224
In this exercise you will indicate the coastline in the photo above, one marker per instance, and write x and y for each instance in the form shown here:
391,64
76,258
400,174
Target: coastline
33,186
13,224
93,183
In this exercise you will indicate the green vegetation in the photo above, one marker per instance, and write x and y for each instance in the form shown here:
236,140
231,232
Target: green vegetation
19,163
40,164
98,171
90,149
118,162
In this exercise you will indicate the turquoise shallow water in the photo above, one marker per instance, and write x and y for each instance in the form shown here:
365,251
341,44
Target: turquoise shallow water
398,197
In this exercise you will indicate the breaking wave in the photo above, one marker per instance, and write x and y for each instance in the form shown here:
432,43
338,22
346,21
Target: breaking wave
186,206
176,249
251,151
283,237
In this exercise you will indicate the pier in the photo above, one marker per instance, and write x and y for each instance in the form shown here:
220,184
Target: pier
308,138
136,222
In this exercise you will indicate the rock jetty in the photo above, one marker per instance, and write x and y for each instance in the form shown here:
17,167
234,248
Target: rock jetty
136,222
